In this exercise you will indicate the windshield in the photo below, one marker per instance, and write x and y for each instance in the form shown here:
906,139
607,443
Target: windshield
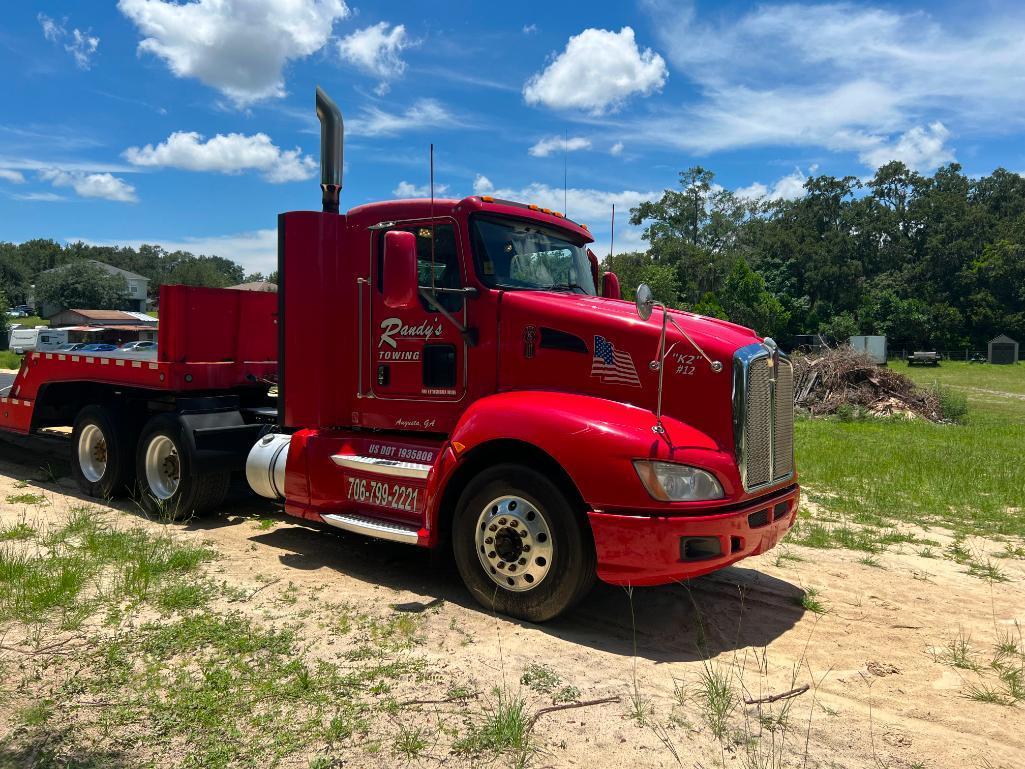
513,253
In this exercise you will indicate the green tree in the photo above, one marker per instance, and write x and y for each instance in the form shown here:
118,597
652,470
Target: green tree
82,285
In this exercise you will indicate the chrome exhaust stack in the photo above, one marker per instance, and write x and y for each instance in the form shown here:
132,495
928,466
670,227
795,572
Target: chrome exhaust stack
332,139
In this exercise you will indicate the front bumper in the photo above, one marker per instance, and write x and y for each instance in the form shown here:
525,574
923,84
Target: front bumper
655,550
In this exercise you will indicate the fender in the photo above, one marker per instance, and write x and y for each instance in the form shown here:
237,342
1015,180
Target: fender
595,441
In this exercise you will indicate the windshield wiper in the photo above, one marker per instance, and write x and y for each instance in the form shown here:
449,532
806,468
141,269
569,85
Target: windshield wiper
566,287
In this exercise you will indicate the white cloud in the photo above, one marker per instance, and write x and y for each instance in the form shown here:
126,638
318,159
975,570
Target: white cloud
227,154
920,148
529,29
375,50
256,250
616,149
589,205
409,190
239,47
546,147
789,187
9,175
597,72
105,185
423,113
856,78
41,197
81,45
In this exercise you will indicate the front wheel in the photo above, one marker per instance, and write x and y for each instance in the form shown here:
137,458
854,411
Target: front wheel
170,482
519,545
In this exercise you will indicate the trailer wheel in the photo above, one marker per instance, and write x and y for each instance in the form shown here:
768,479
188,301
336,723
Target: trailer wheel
100,462
171,484
520,547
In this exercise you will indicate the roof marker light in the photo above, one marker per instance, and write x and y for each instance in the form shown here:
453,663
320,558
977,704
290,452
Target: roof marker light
534,207
487,198
559,214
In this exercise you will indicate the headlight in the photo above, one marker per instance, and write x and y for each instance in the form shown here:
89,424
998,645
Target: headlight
677,483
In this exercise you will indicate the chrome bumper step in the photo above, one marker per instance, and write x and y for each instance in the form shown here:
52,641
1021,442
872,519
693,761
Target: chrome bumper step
373,527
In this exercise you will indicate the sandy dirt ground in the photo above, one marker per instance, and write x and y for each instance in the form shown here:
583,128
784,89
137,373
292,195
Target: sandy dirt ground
881,693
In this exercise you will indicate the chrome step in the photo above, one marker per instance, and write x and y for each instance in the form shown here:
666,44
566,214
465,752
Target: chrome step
373,527
382,466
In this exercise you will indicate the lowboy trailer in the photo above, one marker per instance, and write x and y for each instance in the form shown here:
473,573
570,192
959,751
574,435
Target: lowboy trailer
450,374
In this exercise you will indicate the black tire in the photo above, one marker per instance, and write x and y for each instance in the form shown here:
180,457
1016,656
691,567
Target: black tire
194,492
571,571
113,446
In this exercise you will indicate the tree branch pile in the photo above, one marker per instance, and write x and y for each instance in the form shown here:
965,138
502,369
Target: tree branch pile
829,382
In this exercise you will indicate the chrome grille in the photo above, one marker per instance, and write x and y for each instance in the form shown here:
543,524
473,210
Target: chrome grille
763,416
757,449
783,434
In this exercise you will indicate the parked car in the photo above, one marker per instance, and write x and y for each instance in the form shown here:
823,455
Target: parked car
99,347
71,347
140,346
16,313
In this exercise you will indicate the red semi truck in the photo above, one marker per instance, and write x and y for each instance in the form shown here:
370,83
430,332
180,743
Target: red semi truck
449,373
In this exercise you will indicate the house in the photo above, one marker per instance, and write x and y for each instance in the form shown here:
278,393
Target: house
1003,349
259,285
113,326
137,287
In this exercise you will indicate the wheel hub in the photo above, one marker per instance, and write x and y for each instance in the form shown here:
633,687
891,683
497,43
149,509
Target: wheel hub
163,468
514,543
92,453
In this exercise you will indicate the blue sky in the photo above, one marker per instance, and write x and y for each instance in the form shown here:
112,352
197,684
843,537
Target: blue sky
191,124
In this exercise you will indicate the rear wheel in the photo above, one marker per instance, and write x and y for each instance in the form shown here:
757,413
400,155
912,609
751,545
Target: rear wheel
519,545
99,458
170,481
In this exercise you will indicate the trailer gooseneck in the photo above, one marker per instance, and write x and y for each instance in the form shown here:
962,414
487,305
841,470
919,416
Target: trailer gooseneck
450,373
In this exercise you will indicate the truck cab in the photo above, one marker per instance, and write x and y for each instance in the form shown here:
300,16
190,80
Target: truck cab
452,376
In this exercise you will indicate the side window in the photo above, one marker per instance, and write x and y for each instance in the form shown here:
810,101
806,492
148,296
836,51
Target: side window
442,261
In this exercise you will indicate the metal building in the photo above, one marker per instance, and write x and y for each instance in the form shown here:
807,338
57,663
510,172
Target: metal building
1003,349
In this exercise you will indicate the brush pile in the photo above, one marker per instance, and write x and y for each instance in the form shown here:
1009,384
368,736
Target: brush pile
841,380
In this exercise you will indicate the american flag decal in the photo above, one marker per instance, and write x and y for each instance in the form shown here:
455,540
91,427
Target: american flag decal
613,366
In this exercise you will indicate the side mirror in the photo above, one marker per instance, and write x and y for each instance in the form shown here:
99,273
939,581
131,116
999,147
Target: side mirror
644,301
400,274
610,286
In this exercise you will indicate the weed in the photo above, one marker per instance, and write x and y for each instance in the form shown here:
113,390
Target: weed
265,524
410,742
540,679
810,600
958,652
958,552
870,560
927,552
981,692
566,694
501,730
987,571
718,698
18,531
36,714
1011,551
182,596
25,499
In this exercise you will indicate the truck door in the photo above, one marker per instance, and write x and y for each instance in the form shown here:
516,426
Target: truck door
418,354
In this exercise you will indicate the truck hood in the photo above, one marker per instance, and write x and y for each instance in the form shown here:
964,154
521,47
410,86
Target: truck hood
600,347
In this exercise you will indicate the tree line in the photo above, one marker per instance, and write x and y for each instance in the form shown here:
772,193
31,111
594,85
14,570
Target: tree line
24,276
934,261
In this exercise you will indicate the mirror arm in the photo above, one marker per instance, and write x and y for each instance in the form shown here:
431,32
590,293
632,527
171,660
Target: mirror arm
469,334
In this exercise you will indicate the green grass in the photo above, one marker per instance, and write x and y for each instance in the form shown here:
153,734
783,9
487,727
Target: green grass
25,499
717,697
84,561
500,730
10,360
967,477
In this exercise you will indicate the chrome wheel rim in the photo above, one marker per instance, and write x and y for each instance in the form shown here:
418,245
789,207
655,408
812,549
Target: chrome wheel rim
92,453
514,543
163,468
